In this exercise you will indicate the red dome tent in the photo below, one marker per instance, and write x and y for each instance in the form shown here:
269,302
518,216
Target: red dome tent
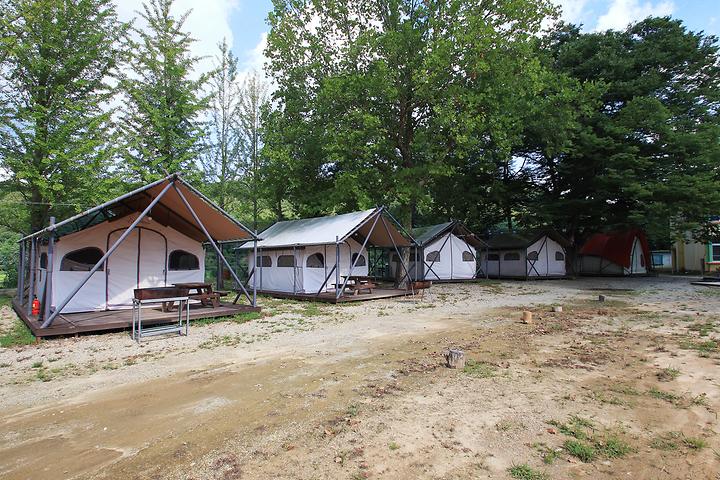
615,253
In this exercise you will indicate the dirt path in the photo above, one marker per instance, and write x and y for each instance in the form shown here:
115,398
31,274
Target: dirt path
358,392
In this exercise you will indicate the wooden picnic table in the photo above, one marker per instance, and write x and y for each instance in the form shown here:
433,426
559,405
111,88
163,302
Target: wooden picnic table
357,283
202,291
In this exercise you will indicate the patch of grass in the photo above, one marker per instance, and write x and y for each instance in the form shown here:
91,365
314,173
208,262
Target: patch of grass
704,348
699,400
479,369
37,364
624,389
667,442
668,374
694,443
671,397
240,318
575,427
19,334
393,446
703,329
352,411
525,472
613,447
581,450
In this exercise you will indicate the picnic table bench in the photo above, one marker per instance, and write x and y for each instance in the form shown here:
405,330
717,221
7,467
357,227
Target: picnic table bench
359,283
202,291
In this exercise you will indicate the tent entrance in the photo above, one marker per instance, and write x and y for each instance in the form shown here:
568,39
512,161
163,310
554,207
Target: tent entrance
139,262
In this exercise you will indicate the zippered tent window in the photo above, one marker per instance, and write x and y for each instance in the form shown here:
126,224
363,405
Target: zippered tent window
511,257
493,257
559,256
182,260
264,261
316,260
286,261
433,256
467,256
532,255
361,262
81,260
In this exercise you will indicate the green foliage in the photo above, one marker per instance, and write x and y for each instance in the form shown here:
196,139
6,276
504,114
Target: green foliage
479,369
56,141
580,450
161,122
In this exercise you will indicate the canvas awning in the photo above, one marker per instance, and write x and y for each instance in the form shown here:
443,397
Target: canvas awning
522,240
328,230
169,211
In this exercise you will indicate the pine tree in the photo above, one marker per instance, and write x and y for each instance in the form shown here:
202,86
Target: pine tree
56,61
162,115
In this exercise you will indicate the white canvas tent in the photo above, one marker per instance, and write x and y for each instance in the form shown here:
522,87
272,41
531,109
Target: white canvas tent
529,255
316,255
445,252
150,237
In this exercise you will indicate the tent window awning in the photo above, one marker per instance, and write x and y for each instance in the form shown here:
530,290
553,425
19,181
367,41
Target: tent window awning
169,211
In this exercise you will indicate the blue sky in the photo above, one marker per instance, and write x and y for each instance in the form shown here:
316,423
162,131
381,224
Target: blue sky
248,18
243,22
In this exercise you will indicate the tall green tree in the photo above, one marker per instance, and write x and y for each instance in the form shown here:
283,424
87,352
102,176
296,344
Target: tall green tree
648,154
162,122
224,147
56,60
376,98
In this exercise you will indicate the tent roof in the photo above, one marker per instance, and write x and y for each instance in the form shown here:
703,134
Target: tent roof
616,246
325,230
425,235
169,211
513,241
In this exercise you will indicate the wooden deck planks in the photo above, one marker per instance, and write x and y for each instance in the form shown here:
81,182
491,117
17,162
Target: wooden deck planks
72,323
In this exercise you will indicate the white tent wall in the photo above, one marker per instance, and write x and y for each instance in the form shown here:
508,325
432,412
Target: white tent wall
450,265
548,262
638,261
307,279
148,247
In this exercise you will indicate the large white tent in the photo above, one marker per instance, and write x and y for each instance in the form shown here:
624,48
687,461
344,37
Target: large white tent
444,252
315,255
528,255
150,237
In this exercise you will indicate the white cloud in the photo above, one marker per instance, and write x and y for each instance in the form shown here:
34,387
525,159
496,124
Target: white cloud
208,23
572,10
623,12
254,59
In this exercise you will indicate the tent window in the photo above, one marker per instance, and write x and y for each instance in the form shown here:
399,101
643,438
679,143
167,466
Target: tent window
43,260
182,260
433,256
286,261
316,260
82,260
263,261
467,256
532,256
361,261
511,257
493,257
559,256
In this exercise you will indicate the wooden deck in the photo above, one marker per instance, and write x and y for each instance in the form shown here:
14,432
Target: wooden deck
73,323
329,297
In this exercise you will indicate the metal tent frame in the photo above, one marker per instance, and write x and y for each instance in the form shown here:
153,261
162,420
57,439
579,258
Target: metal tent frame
49,314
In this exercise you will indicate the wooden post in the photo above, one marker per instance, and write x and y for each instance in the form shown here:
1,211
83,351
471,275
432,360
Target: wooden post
455,358
527,316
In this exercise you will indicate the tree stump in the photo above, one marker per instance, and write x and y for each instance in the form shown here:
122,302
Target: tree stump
601,298
557,309
527,316
455,358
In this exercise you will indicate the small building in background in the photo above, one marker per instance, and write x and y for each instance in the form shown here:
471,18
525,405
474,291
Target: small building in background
526,255
661,260
691,256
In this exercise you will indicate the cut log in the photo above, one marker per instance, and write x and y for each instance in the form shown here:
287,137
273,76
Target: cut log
557,309
455,358
527,316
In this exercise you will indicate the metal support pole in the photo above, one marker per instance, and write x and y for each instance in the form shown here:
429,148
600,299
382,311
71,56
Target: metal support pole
212,242
49,275
352,265
397,250
254,300
110,251
218,271
21,274
261,266
31,286
337,266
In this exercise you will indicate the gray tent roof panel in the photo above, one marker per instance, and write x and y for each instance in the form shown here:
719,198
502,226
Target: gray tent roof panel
522,240
169,211
325,230
425,235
